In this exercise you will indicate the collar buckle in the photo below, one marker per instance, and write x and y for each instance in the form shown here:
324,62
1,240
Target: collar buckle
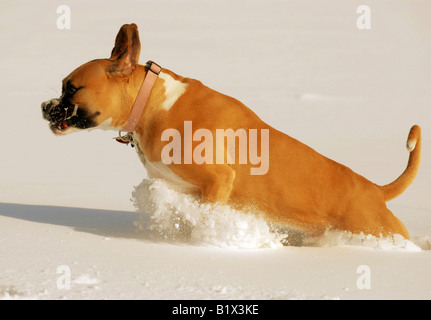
126,139
153,67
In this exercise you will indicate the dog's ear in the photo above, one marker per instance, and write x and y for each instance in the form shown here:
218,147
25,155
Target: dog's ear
120,42
125,54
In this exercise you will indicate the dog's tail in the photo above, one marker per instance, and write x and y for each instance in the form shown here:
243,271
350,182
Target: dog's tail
394,189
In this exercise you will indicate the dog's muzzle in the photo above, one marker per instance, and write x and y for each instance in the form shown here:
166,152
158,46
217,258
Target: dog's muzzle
58,114
54,111
61,116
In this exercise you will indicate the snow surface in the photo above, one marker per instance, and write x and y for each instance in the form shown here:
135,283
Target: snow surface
83,203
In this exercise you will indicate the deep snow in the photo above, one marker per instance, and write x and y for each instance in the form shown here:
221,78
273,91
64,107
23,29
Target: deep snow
68,204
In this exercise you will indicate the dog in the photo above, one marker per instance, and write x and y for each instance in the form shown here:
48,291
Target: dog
300,188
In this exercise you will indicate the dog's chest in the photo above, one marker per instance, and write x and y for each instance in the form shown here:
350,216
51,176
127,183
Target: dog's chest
173,90
158,170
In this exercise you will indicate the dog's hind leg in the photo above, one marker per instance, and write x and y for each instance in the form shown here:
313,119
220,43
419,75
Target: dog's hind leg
392,225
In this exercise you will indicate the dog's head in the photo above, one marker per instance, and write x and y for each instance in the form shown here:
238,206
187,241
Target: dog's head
97,94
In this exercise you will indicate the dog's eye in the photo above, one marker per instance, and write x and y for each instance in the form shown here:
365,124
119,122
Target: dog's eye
69,89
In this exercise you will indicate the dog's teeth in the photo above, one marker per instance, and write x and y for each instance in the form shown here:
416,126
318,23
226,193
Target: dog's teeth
75,110
74,113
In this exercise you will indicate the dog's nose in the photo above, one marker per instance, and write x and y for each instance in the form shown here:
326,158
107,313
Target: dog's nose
47,108
44,106
48,105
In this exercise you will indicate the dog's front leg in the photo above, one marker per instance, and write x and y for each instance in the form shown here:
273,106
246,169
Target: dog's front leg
215,181
219,183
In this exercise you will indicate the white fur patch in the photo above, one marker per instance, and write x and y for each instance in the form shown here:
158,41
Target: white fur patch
173,90
107,125
411,145
158,170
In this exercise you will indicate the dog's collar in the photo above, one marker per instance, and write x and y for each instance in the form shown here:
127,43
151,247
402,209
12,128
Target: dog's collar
140,102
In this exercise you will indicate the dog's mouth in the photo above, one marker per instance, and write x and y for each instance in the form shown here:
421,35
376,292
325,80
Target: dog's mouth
63,117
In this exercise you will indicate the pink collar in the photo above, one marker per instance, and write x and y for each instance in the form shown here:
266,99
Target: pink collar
141,100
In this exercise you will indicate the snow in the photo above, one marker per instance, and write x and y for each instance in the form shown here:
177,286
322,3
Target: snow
173,215
81,208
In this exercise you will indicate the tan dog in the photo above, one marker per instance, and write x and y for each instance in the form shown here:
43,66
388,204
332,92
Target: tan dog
299,188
